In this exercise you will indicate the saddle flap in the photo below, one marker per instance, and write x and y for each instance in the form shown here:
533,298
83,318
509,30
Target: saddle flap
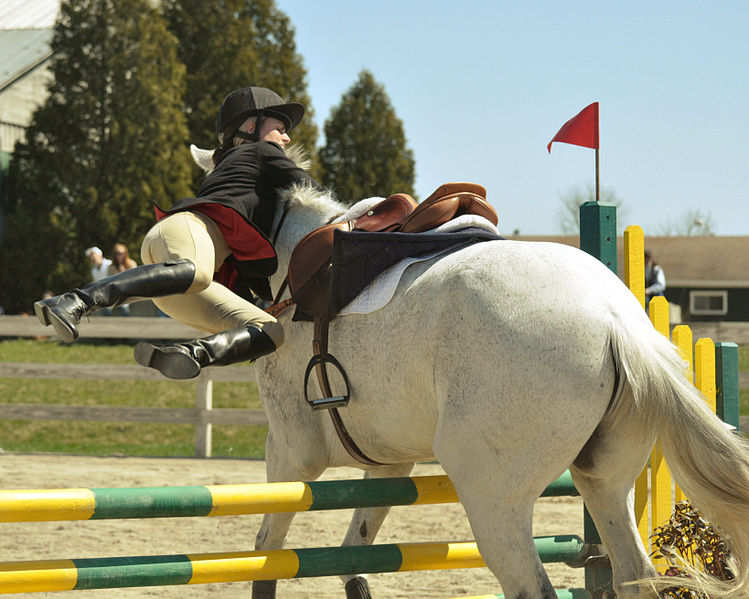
388,215
309,269
448,202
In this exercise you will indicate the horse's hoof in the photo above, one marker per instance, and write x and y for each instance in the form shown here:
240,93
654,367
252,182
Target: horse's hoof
264,589
358,588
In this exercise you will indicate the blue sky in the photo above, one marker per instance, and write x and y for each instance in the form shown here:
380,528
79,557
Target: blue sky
482,86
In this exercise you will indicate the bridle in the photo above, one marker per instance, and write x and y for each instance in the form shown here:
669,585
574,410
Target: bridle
279,306
284,214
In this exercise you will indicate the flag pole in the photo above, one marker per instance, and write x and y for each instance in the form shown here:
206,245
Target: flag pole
598,179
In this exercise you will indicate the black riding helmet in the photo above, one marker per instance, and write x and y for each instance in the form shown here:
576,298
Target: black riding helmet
250,101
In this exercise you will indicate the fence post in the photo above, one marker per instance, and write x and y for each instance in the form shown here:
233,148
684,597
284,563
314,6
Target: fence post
203,403
727,380
634,262
682,338
597,238
660,475
598,232
634,279
704,370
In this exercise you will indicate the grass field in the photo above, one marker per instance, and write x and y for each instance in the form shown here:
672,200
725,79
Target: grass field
135,439
98,438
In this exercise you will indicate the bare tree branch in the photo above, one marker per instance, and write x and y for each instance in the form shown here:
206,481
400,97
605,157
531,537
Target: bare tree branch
692,223
568,214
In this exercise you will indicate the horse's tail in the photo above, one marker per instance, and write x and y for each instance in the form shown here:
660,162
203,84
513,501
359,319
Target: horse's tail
709,462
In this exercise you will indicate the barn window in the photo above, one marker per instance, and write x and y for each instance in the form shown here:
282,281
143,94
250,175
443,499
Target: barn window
708,302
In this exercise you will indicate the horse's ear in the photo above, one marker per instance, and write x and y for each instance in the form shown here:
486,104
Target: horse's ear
203,158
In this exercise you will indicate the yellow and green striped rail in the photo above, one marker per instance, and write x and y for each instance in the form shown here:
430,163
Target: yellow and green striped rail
203,568
233,500
561,594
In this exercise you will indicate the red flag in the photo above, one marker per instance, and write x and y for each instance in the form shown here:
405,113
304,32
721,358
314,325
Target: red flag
580,130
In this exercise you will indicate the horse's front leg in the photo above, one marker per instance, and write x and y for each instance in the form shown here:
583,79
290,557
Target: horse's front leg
274,528
364,526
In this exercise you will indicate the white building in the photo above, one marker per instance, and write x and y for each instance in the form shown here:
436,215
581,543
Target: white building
25,36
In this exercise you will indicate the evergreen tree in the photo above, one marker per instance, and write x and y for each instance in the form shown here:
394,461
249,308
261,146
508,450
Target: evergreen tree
230,44
365,152
108,142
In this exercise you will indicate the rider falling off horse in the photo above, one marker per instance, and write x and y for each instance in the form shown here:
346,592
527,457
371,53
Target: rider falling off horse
206,253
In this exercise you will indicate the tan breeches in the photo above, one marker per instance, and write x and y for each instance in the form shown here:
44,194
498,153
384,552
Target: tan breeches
206,305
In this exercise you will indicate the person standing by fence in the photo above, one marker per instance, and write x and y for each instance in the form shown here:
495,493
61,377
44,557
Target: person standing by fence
121,260
99,264
655,279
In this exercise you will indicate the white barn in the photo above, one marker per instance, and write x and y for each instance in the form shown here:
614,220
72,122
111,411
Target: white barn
25,36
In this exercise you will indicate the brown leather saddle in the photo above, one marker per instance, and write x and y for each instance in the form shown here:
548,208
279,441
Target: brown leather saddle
311,260
311,264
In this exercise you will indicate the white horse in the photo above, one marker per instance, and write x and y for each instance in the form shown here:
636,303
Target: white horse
508,362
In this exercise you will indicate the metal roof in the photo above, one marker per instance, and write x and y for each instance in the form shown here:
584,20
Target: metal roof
22,50
707,261
28,14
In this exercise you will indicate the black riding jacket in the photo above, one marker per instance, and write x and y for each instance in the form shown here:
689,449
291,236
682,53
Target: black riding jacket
241,195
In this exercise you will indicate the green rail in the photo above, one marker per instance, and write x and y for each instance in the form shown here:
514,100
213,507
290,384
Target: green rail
561,594
117,572
231,500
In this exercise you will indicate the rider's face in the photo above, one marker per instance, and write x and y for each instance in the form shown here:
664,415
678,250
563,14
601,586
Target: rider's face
274,130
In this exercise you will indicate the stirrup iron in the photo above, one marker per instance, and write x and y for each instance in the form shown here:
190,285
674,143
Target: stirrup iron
326,403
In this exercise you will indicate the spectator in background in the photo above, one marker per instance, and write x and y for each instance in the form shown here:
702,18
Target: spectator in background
99,264
121,260
655,279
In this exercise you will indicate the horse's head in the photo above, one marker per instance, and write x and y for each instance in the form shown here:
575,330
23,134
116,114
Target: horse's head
203,158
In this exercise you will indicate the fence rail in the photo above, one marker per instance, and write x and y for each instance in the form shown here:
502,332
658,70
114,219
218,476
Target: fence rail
202,416
135,327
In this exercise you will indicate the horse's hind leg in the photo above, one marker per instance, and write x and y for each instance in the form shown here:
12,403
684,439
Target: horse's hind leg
498,496
604,473
364,526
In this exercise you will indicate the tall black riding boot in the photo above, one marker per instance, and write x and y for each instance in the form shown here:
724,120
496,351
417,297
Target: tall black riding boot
64,312
184,360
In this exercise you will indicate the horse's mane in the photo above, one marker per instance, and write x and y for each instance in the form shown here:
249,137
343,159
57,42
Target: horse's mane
312,198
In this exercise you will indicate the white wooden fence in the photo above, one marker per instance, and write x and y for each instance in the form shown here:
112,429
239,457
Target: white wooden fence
202,416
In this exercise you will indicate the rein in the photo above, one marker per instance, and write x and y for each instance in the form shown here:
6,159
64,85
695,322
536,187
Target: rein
319,361
278,307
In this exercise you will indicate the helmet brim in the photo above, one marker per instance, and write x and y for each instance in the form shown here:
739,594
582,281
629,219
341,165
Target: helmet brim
289,114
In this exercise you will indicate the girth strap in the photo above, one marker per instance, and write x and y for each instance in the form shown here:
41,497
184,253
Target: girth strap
320,347
318,361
